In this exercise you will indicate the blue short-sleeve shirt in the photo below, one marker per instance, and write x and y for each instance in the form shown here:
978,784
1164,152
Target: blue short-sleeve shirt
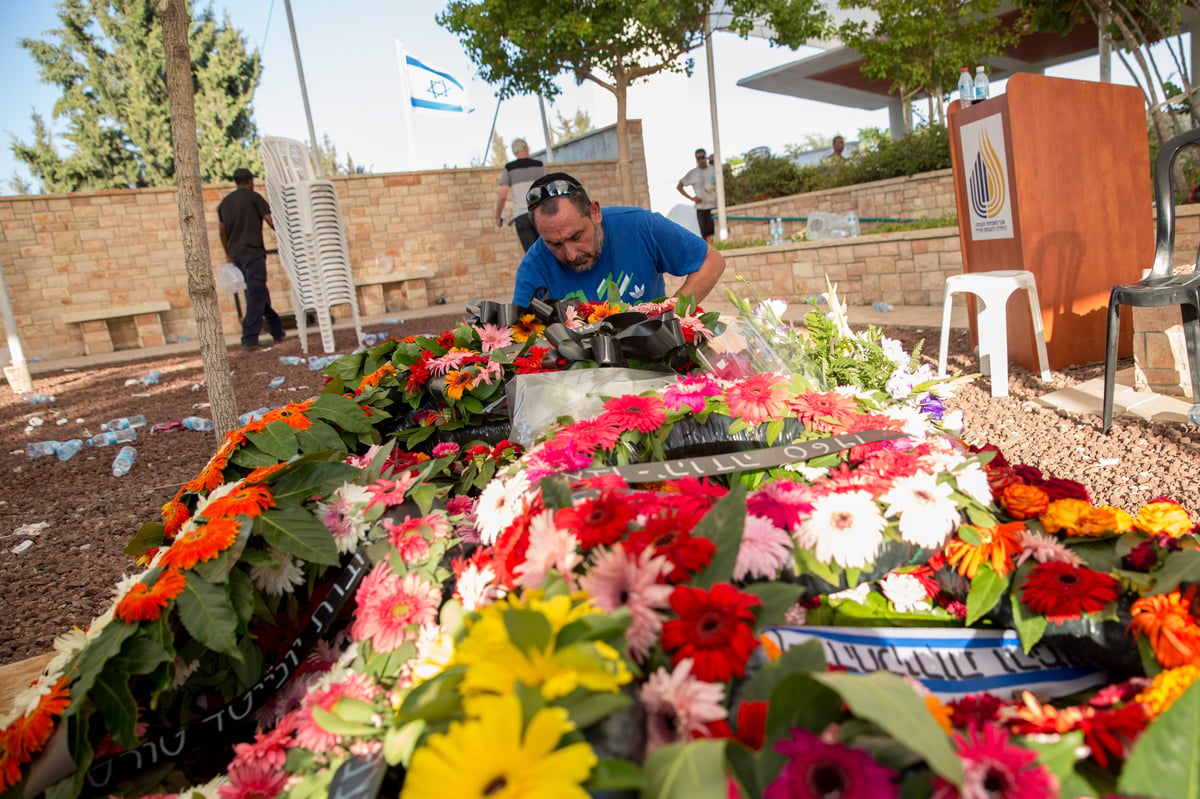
640,246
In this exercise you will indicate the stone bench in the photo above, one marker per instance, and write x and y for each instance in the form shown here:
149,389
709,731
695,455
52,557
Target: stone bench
97,335
373,289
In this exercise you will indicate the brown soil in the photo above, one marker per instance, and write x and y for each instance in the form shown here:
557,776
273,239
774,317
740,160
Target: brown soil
67,575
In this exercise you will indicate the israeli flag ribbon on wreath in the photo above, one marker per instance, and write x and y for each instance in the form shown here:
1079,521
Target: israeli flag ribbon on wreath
434,90
949,662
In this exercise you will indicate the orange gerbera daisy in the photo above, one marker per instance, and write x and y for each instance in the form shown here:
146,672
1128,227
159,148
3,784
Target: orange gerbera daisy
295,414
527,327
602,310
174,513
372,380
458,381
211,476
27,736
146,602
997,545
245,500
263,473
1168,624
201,543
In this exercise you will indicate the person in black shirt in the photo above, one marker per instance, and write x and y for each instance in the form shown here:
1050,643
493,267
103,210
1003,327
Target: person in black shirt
241,216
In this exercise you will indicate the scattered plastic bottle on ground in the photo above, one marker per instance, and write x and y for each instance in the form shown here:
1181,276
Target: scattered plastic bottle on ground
966,87
318,362
150,379
885,307
197,423
981,85
1193,414
253,416
37,399
168,427
124,461
276,382
371,339
124,422
40,449
109,437
69,449
291,360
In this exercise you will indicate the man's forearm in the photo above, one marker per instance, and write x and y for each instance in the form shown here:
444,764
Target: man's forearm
700,283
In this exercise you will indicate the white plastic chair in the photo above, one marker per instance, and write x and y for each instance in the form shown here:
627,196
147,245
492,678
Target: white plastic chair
992,290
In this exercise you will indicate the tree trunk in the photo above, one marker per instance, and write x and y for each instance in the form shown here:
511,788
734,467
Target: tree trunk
176,21
624,162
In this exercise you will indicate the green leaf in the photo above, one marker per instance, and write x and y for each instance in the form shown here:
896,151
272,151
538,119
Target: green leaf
1058,756
798,700
611,774
695,770
208,615
888,701
986,589
776,599
529,630
556,493
95,658
332,722
590,707
1163,761
115,702
319,438
252,458
297,532
399,743
276,439
1178,567
249,669
311,478
341,411
723,525
148,535
140,656
1029,625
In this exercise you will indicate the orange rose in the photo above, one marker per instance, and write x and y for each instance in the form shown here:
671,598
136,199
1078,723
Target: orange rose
1024,501
1065,515
1163,517
1105,519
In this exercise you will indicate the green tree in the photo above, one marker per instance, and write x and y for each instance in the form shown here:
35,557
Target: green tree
108,63
920,45
499,154
565,128
521,46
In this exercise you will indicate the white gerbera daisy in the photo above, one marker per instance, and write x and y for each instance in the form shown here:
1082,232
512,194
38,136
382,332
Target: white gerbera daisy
280,578
498,505
846,529
972,481
927,513
905,592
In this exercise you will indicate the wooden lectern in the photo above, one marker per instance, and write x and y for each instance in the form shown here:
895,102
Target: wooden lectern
1053,177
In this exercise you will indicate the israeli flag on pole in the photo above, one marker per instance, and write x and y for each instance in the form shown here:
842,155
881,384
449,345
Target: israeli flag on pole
433,90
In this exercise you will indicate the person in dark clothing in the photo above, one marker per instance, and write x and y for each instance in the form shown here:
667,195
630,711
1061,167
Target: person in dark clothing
241,216
516,178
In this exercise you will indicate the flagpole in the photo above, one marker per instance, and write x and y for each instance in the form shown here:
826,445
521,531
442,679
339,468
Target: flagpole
488,149
722,226
312,132
546,129
408,125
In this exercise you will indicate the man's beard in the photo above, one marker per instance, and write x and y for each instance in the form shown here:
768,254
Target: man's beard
586,263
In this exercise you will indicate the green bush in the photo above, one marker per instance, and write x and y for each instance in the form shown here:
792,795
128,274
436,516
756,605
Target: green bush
879,157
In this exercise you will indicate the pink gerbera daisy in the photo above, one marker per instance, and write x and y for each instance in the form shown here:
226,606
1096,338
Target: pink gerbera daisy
493,337
310,734
757,398
550,549
618,579
996,769
816,770
826,412
391,492
679,707
631,412
589,435
253,780
784,502
764,550
691,392
391,609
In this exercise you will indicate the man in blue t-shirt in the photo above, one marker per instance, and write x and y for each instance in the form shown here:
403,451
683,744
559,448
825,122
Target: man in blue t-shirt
582,248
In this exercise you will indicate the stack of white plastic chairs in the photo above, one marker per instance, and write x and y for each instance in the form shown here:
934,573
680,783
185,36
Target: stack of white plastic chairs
311,238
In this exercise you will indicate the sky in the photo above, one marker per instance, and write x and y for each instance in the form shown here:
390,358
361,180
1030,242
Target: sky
348,52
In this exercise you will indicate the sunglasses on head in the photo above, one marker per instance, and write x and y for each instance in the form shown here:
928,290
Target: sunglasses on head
555,188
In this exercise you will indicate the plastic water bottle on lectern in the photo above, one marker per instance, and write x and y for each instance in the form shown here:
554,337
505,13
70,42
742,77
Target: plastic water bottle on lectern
981,85
966,87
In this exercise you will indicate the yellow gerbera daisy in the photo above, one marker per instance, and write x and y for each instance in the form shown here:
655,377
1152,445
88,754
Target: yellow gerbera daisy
492,756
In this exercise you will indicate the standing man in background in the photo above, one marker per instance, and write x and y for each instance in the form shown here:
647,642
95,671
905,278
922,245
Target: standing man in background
516,178
703,180
241,216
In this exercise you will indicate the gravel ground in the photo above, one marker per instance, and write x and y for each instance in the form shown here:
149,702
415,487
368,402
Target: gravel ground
78,517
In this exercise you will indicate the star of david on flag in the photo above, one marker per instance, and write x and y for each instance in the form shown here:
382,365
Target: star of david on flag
433,90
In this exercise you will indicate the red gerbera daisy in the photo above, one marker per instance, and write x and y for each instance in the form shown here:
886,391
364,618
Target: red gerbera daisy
175,514
590,435
715,628
669,532
531,363
757,398
596,522
631,412
751,725
146,602
1060,591
815,769
203,543
245,500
